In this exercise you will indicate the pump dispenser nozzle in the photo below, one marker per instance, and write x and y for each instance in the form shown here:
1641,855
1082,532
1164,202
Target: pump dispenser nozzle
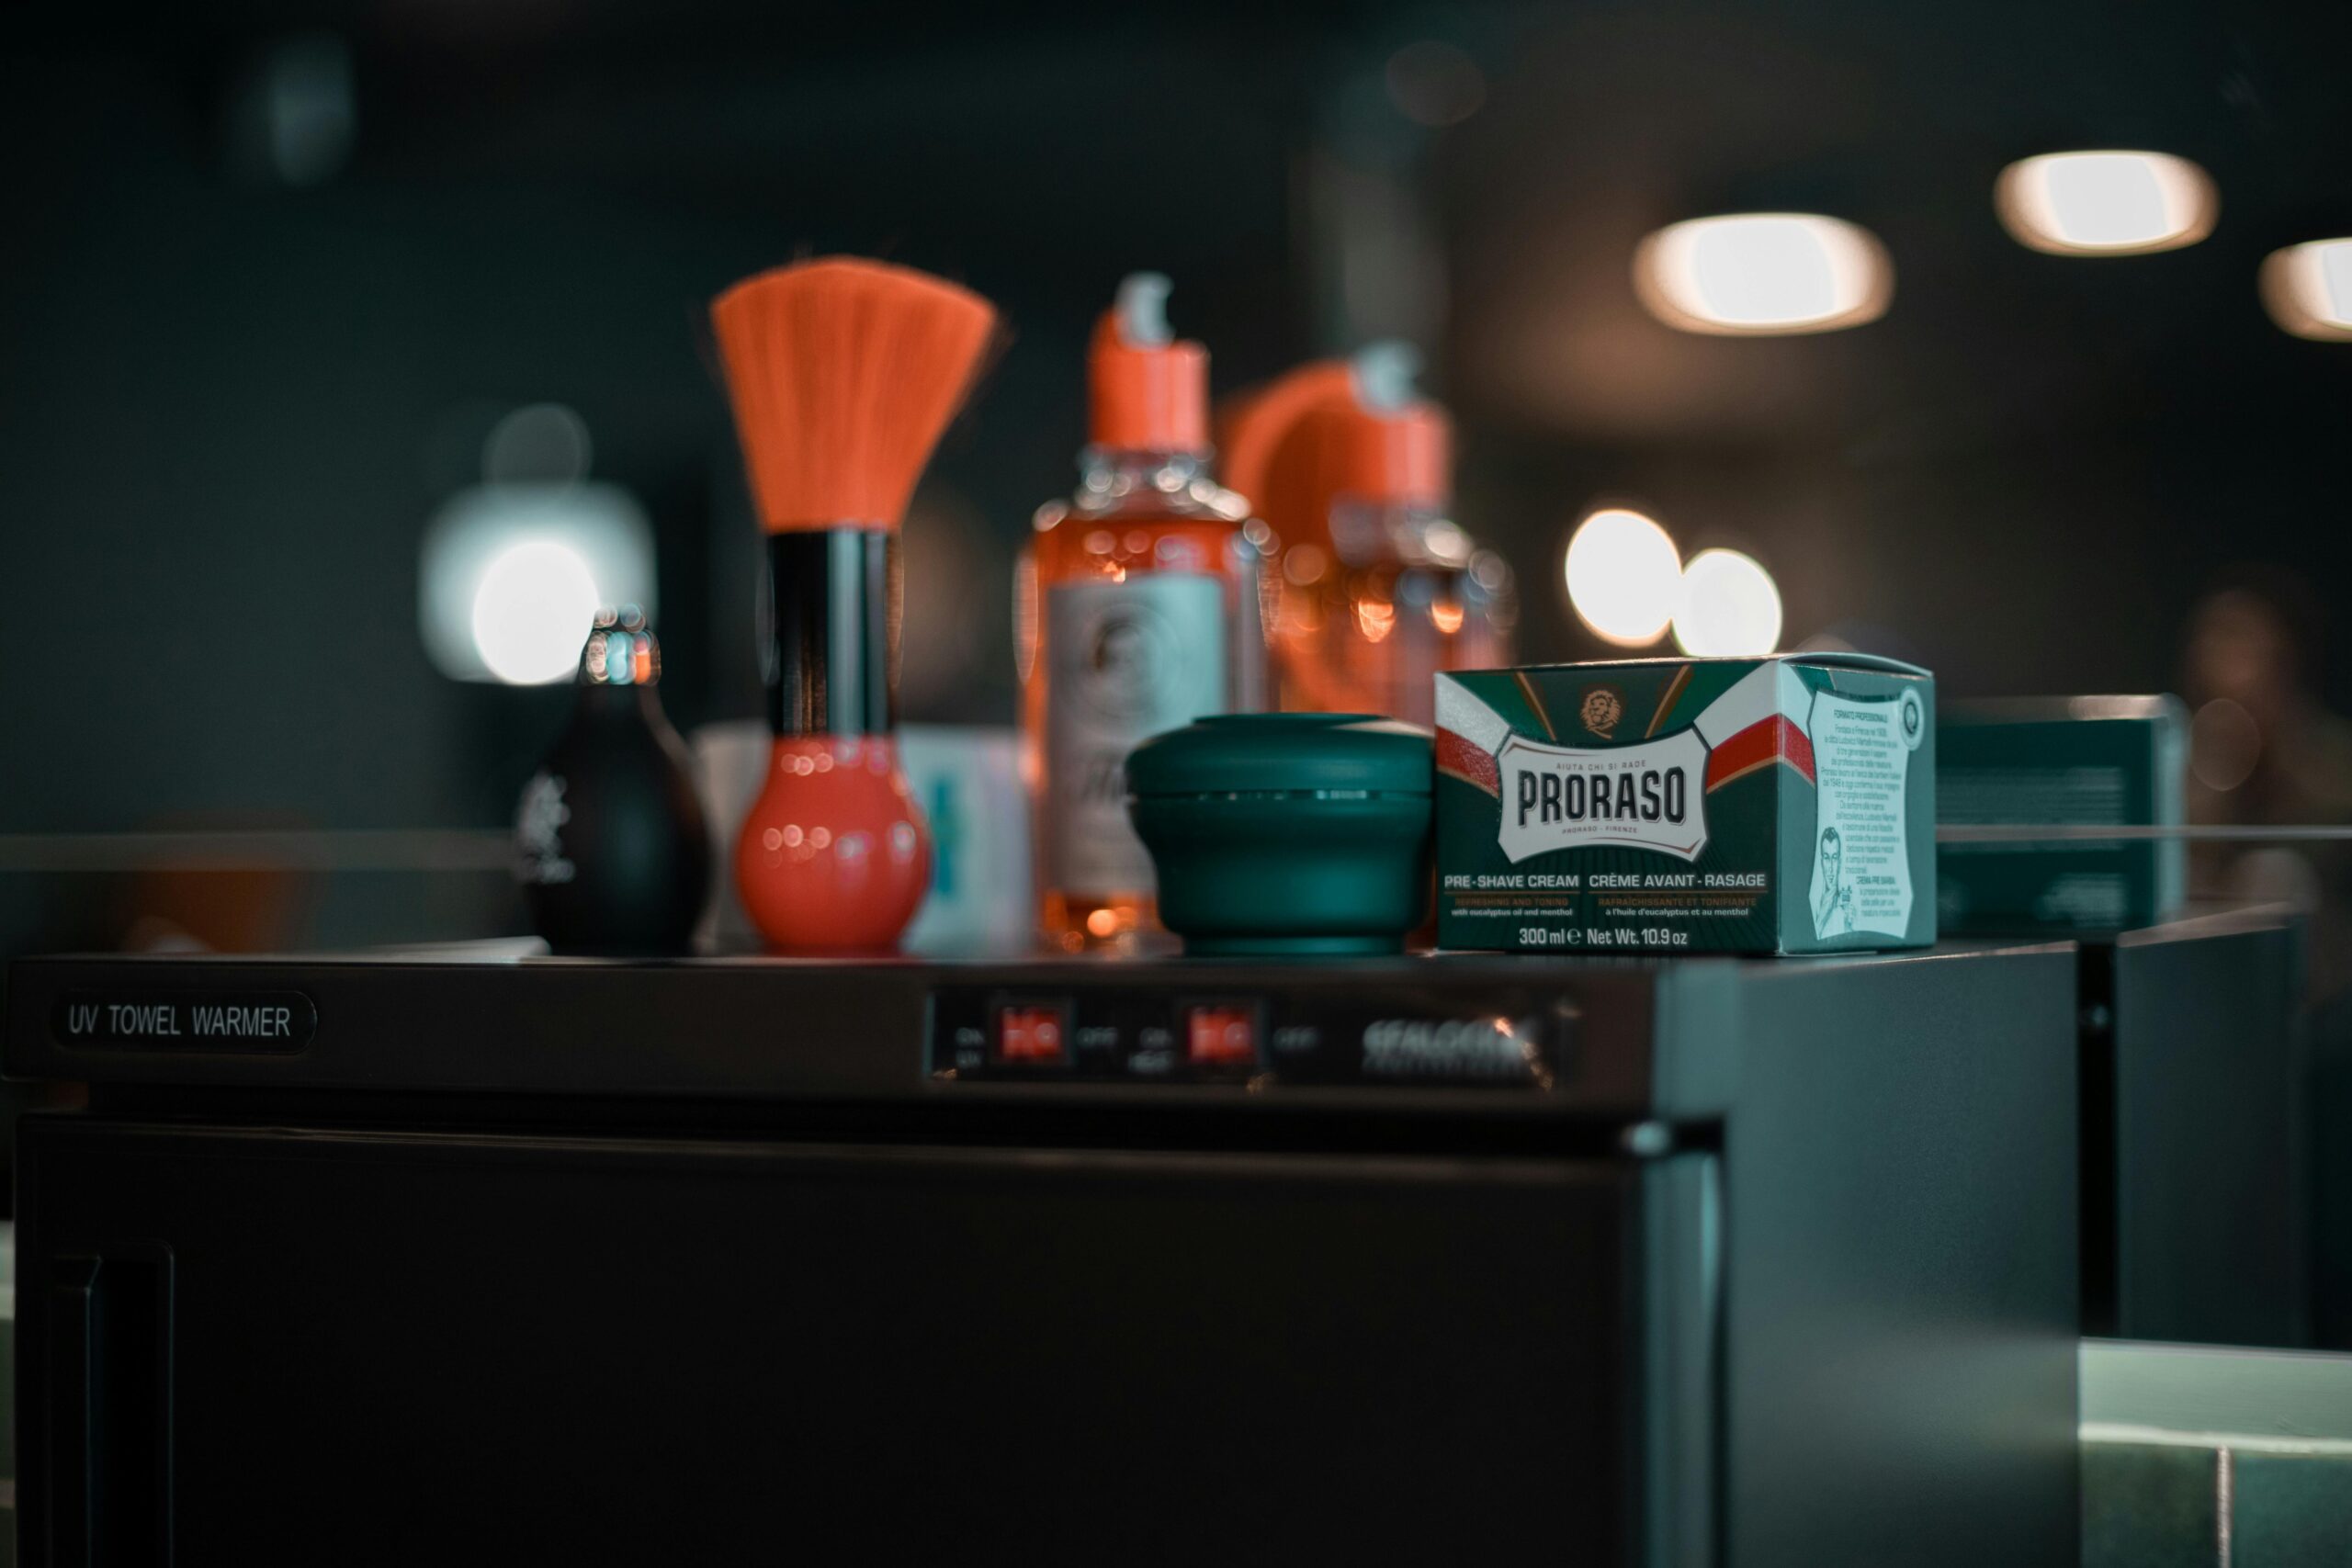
1140,307
1383,375
1149,392
1386,444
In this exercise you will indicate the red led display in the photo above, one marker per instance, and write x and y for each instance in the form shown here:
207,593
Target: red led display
1221,1036
1031,1035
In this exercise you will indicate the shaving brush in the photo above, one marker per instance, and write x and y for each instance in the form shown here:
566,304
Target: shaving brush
841,374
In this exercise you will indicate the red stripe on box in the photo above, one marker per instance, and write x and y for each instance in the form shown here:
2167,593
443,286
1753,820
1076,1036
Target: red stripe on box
1761,745
1465,762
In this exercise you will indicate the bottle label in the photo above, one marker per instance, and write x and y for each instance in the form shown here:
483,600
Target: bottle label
1127,661
540,854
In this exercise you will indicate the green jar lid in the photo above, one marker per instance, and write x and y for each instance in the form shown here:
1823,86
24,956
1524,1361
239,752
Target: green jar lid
1283,752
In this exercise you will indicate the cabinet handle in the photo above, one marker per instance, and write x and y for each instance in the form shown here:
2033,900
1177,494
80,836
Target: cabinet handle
73,1387
110,1492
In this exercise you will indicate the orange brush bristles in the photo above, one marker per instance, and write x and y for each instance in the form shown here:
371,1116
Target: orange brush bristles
842,373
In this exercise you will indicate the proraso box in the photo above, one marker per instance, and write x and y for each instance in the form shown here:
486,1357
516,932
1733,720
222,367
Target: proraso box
1770,805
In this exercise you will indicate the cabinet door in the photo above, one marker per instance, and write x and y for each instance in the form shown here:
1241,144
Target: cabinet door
394,1348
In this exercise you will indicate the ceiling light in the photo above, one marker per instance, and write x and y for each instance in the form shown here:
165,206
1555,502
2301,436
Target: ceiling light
1764,273
2107,203
2308,288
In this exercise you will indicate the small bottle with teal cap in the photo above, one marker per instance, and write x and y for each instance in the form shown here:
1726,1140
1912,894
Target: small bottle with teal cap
1292,835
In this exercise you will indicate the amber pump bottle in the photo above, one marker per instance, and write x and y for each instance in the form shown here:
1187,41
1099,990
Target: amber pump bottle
1136,611
1379,588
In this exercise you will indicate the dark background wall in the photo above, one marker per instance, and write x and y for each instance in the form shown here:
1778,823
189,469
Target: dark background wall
229,402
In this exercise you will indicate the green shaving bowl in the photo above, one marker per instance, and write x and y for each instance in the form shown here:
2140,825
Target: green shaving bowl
1288,835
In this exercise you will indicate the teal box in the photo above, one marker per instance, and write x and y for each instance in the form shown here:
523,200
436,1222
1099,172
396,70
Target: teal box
1778,805
2071,763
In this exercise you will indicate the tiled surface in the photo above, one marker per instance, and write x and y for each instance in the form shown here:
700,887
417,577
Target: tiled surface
2232,1457
2241,1503
2290,1509
2149,1506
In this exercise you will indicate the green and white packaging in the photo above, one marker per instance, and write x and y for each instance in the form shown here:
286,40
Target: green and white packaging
2062,762
1778,805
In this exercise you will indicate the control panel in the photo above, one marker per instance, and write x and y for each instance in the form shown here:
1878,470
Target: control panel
1383,1034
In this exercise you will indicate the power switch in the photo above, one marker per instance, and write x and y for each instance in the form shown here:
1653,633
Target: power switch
1031,1035
1221,1034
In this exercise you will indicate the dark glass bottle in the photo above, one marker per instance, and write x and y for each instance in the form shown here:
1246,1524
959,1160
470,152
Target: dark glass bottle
610,842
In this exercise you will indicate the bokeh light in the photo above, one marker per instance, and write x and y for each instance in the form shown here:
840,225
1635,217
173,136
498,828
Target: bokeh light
2224,743
533,612
534,488
2308,290
1764,273
538,444
1434,84
1729,607
2106,203
1623,574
